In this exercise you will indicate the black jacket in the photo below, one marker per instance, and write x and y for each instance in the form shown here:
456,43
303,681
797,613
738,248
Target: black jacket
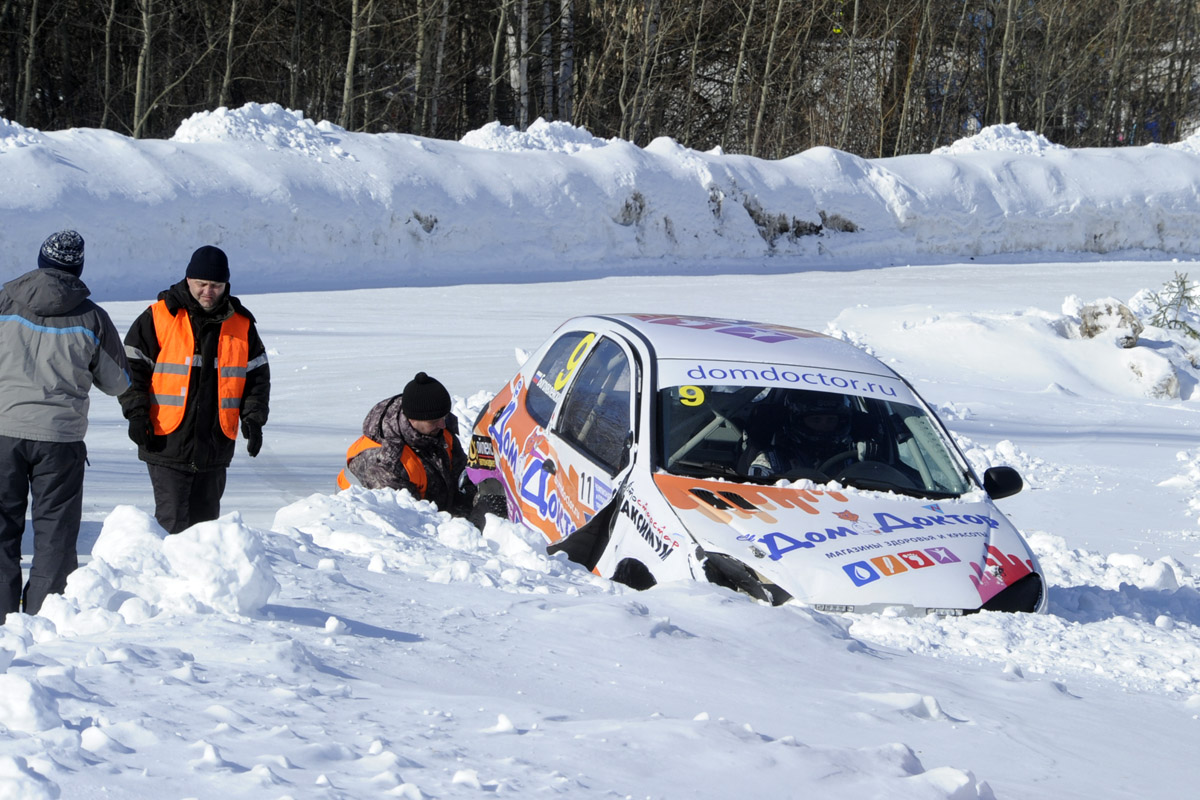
198,444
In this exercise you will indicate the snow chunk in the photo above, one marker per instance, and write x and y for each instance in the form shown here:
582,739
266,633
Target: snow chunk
556,137
18,780
13,136
270,124
1111,318
1035,472
1189,145
398,533
26,706
225,565
137,571
1001,138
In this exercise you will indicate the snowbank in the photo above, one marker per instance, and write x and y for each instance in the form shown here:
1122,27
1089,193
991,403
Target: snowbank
403,210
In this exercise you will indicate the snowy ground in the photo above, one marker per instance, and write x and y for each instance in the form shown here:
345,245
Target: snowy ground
321,645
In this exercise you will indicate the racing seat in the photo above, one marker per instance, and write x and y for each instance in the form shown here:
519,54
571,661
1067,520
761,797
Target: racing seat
758,432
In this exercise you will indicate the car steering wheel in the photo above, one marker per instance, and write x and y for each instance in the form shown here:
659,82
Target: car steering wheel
877,472
836,458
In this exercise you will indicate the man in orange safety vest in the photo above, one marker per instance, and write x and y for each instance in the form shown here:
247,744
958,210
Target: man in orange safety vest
199,372
409,442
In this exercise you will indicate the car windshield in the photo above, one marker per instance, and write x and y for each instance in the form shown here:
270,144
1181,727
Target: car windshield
763,435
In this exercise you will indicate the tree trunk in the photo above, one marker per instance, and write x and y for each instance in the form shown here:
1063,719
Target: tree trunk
497,50
106,92
518,62
1005,55
296,58
30,57
850,81
351,55
903,134
141,83
419,95
227,77
566,62
546,67
766,81
737,77
438,65
690,101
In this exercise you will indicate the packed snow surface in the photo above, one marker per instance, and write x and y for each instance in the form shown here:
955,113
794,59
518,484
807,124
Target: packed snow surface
317,644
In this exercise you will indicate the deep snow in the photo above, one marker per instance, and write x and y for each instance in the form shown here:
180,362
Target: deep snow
312,644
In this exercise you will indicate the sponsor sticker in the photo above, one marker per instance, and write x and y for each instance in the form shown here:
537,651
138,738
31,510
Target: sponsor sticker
481,454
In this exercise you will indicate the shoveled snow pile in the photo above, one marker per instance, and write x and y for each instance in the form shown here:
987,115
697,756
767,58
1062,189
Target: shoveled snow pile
558,137
1001,138
269,125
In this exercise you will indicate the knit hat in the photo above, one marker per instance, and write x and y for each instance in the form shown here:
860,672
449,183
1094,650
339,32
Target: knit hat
62,250
209,264
425,398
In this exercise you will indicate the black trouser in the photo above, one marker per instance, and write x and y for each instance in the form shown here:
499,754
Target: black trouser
53,473
183,498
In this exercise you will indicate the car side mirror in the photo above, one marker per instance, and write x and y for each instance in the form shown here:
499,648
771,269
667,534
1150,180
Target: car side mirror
1001,482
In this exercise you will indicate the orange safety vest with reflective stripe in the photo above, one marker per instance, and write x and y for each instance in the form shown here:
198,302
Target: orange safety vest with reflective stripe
177,345
408,459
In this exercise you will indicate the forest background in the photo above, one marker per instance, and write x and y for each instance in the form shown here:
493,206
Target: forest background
767,78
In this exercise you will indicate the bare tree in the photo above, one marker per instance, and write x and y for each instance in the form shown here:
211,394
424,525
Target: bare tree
566,61
30,56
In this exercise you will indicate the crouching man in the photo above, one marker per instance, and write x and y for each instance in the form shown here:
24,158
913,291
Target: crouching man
409,442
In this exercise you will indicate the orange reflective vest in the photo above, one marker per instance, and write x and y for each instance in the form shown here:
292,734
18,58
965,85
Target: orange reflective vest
176,357
408,459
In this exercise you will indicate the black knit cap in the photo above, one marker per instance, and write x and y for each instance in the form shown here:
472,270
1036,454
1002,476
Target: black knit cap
62,250
425,398
209,264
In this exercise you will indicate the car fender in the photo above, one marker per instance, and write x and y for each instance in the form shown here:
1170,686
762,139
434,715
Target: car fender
645,529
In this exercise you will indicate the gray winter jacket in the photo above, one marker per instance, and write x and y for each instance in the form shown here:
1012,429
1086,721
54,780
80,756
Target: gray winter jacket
55,344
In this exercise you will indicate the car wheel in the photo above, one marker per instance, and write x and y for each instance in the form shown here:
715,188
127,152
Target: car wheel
633,574
489,499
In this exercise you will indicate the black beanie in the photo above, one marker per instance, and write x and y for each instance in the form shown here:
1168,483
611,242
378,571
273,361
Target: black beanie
209,264
425,399
62,250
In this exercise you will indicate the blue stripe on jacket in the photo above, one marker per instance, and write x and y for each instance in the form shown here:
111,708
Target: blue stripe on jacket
47,329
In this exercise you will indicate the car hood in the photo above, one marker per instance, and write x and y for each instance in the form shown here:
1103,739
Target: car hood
856,549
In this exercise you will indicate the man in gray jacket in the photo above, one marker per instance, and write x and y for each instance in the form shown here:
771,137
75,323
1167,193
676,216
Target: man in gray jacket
55,344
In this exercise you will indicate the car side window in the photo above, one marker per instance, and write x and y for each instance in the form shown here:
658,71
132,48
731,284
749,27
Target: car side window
596,413
554,373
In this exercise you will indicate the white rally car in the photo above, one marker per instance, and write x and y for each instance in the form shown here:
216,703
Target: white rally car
771,460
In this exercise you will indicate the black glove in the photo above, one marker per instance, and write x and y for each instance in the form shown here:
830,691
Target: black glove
140,430
253,433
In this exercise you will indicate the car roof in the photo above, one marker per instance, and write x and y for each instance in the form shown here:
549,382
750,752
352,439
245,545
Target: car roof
681,336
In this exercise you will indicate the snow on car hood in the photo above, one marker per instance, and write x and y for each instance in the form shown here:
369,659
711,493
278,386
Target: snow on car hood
856,548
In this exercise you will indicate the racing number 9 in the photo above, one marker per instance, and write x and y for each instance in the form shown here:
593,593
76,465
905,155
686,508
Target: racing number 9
691,395
573,362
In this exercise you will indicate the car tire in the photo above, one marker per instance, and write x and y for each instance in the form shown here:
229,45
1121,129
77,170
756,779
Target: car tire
633,574
489,499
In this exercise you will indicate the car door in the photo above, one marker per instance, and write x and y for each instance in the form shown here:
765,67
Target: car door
592,432
520,433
